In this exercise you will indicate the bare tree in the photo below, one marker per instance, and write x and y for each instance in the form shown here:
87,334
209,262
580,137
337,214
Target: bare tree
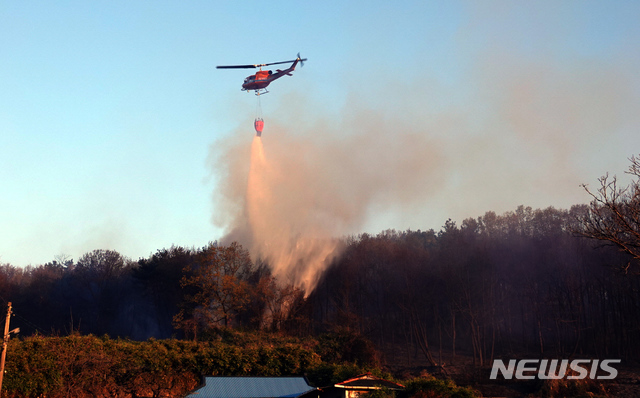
277,300
220,290
613,215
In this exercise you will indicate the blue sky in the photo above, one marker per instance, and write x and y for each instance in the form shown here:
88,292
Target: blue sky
110,112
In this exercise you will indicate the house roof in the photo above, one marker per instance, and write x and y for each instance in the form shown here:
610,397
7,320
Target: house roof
368,381
251,387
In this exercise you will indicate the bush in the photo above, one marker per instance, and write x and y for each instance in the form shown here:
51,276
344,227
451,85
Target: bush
326,374
578,388
430,387
345,346
90,366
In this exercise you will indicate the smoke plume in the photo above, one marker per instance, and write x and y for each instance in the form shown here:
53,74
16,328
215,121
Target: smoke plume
290,195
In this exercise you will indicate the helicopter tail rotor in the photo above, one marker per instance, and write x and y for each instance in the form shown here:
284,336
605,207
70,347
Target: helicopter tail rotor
301,60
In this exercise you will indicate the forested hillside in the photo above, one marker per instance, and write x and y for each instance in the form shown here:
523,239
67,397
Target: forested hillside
521,281
496,285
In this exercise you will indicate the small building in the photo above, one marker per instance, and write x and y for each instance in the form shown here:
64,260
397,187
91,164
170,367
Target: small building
356,387
252,387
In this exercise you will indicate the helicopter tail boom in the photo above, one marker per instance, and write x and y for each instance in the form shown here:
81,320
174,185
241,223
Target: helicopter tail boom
287,73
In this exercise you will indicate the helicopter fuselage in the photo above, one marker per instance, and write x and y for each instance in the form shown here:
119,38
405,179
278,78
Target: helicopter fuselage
263,78
258,81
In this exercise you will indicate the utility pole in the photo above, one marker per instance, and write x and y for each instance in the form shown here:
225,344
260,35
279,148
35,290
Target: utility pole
4,344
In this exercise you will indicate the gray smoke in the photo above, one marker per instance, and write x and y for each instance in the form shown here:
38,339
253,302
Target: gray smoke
289,200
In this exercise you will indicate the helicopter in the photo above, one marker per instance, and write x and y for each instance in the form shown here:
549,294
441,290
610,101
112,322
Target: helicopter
259,82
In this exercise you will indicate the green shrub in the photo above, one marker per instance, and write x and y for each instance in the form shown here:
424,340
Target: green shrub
430,387
578,388
90,366
77,365
326,374
345,346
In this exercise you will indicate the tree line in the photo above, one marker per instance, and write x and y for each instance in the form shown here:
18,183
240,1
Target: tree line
493,285
176,292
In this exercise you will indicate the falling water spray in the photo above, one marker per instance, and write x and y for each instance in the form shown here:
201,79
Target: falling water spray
297,252
290,199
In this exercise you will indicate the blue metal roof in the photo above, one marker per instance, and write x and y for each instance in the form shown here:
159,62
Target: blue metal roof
251,387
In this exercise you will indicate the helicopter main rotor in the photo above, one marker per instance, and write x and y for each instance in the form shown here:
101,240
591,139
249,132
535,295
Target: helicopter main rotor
301,60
